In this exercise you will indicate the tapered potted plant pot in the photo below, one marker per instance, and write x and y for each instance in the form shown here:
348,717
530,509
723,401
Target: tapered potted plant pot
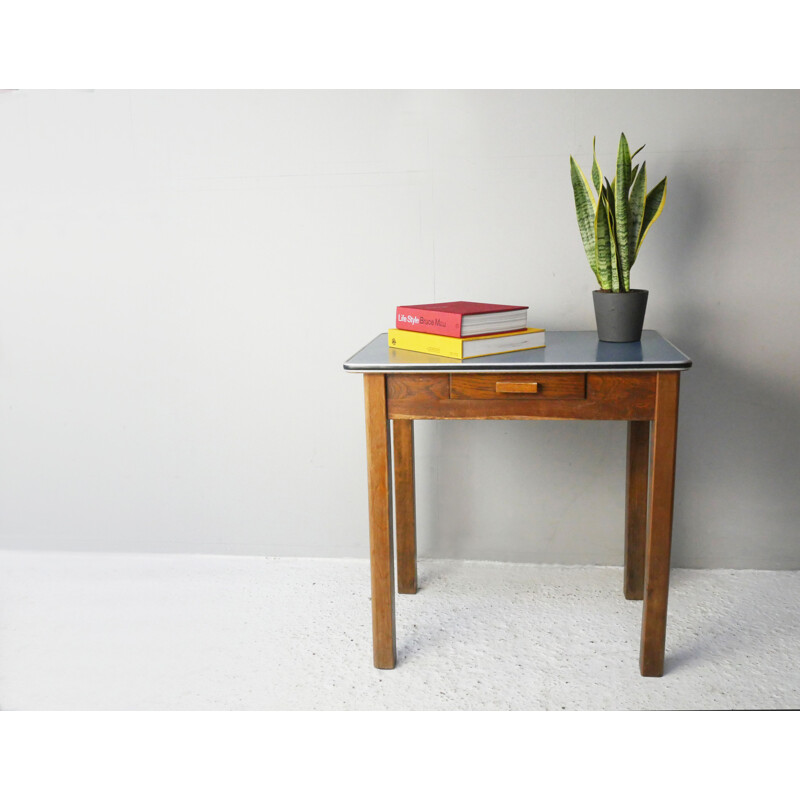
613,225
620,315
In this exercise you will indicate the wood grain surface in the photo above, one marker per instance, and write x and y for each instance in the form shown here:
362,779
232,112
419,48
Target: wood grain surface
380,522
404,506
638,463
659,529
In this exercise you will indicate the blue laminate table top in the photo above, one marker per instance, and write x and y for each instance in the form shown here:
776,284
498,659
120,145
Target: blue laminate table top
565,351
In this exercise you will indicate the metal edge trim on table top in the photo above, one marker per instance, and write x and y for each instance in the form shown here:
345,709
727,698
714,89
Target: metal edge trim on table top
515,368
688,360
461,365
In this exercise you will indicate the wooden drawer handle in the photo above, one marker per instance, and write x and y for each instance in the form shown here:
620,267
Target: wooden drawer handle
517,388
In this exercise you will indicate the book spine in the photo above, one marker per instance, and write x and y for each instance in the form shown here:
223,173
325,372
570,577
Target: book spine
426,343
440,323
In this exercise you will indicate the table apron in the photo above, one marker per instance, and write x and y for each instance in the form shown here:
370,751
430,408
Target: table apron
609,396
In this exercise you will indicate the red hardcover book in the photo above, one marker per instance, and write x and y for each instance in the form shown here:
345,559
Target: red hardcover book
461,318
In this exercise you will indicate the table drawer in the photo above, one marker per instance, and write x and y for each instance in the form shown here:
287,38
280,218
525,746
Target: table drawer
513,386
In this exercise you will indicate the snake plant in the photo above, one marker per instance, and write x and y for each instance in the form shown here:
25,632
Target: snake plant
613,224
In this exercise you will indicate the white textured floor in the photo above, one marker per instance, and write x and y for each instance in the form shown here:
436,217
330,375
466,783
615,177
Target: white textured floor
86,631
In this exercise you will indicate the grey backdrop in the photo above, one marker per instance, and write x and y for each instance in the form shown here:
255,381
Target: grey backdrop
183,273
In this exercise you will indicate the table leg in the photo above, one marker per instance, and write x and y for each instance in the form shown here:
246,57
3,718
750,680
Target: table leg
636,508
380,521
404,505
659,531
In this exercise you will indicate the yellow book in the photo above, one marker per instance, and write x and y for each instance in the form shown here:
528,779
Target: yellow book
470,347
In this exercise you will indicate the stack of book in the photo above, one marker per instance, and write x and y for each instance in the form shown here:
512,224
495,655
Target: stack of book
464,329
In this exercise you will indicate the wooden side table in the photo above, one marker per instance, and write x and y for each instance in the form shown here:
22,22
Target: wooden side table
574,377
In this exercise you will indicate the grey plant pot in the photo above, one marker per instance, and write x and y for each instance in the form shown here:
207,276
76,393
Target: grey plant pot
620,315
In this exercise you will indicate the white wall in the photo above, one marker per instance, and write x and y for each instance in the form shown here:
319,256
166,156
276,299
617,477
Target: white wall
182,275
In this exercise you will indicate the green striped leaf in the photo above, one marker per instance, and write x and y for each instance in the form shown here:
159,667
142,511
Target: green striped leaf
634,172
653,207
602,235
637,205
597,173
621,208
636,152
609,189
585,207
616,273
